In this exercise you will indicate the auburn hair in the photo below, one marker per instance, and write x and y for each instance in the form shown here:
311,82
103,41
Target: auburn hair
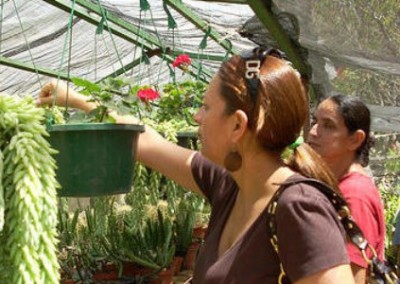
278,112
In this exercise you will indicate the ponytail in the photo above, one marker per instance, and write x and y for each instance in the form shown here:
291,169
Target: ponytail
307,162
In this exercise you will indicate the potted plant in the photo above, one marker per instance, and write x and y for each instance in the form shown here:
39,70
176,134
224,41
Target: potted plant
184,223
144,247
96,155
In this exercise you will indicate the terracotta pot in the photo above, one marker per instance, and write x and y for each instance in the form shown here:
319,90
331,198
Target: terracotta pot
109,272
191,255
68,281
177,264
199,232
165,276
131,269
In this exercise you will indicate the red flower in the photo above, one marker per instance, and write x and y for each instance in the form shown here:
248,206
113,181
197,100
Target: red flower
146,95
182,59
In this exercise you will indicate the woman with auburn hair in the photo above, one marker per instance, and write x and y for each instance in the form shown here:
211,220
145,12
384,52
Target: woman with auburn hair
254,107
340,133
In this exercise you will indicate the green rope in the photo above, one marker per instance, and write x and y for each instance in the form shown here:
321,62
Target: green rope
66,114
171,25
109,53
171,22
160,42
144,6
203,43
172,73
161,64
26,42
229,50
104,19
142,48
69,40
202,46
1,22
95,56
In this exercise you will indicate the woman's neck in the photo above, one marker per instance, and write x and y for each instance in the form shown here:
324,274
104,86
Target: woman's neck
259,174
344,167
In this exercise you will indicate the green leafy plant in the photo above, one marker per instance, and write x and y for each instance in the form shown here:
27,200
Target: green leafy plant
174,106
148,243
389,186
103,94
185,217
180,101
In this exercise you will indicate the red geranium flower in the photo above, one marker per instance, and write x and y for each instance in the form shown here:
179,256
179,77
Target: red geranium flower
182,59
146,95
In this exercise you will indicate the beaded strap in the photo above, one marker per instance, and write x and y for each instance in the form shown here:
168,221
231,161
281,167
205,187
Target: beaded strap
353,232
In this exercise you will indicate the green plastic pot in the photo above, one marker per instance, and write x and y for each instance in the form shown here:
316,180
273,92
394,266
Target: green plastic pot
94,159
188,140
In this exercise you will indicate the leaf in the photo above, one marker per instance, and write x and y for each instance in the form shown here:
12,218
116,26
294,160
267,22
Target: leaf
86,84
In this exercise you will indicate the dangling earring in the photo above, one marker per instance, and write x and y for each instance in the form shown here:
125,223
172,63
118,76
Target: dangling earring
233,161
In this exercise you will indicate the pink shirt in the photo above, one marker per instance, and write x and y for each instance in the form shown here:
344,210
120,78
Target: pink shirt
366,207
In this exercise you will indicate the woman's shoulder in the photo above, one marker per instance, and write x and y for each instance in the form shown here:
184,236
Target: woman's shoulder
356,185
357,176
357,182
297,190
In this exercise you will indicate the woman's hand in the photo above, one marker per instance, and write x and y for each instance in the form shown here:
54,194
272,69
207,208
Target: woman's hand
51,89
63,96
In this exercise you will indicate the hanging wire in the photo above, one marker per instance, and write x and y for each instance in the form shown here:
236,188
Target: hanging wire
1,22
163,51
155,29
99,32
68,40
69,64
134,49
144,6
104,17
137,40
95,57
26,42
172,25
175,37
109,55
202,46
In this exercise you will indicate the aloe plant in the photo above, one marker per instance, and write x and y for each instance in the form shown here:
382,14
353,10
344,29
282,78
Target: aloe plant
149,244
184,223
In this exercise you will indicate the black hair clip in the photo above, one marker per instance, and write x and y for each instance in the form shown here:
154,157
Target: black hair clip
254,60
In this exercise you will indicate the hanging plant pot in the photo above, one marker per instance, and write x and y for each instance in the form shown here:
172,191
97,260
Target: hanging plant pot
94,159
188,140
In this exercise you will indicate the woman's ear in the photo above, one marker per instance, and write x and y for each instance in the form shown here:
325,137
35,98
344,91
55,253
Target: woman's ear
239,125
356,139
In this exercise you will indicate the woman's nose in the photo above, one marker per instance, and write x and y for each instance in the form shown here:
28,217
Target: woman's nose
197,116
313,130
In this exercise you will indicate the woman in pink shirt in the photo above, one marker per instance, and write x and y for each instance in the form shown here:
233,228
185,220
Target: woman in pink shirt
340,133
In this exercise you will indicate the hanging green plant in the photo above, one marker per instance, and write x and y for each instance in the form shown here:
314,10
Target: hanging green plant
27,196
96,155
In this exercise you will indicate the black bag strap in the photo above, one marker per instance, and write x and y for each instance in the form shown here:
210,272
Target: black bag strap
339,203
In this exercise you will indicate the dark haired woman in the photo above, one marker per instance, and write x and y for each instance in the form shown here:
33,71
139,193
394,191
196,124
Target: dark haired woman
254,108
341,135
